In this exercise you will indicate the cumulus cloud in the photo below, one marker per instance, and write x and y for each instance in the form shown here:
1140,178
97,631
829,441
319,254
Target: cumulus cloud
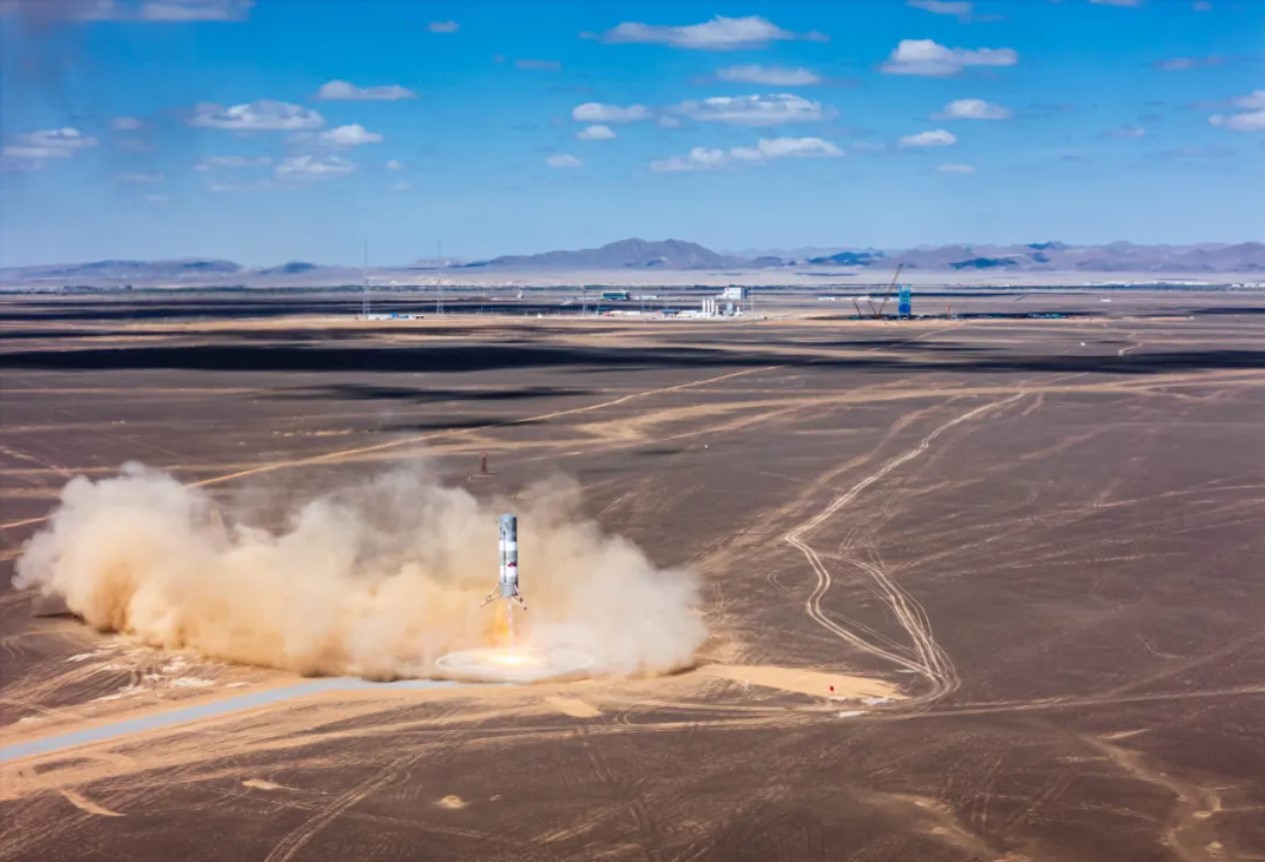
1250,119
313,167
379,578
933,138
1185,64
926,57
958,8
353,135
955,168
131,10
718,34
125,124
195,10
668,122
30,150
347,91
596,112
773,76
443,26
972,109
765,150
595,133
538,65
1124,132
1194,153
213,162
260,115
563,160
756,110
393,165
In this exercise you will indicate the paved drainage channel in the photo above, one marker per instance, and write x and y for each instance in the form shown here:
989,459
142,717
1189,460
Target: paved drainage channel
187,714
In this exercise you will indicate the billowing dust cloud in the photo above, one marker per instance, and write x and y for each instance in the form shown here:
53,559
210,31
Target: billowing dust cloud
377,579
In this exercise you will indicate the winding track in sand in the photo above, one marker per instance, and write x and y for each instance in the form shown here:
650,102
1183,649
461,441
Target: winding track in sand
931,661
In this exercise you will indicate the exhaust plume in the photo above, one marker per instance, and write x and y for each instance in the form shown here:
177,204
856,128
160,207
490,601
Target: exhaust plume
377,579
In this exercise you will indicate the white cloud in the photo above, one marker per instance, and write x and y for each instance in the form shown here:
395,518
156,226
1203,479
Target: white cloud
1125,132
313,167
443,26
1250,119
195,10
934,138
393,165
137,177
131,10
538,65
773,76
596,112
756,110
349,136
666,122
596,133
954,168
30,150
260,115
926,57
1185,64
972,109
765,150
960,8
1253,101
212,162
564,161
1132,4
718,34
347,91
125,124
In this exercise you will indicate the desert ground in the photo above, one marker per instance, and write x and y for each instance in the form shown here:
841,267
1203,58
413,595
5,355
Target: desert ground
983,588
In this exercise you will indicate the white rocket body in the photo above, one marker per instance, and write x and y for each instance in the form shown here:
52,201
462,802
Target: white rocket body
507,580
509,557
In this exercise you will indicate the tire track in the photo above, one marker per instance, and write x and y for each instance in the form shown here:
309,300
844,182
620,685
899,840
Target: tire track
931,661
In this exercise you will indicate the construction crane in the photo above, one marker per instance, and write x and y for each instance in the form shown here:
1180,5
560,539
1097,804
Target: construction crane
878,313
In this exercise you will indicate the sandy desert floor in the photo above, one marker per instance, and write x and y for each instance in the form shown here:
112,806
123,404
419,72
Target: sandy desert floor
976,589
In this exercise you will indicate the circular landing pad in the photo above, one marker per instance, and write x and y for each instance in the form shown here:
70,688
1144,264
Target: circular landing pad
514,664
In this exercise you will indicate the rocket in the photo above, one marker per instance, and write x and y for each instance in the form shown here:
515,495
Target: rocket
507,586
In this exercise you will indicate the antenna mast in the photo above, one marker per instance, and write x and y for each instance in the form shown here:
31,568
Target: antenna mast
439,253
364,283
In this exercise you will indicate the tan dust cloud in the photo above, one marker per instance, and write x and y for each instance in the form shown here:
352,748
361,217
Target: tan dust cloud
378,579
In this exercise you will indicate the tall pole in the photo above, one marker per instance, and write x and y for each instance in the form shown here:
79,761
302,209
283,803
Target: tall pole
364,285
439,253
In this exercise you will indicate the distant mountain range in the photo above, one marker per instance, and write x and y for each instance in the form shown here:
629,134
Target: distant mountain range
670,255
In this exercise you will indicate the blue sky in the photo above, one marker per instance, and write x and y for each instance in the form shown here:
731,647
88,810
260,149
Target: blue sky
279,130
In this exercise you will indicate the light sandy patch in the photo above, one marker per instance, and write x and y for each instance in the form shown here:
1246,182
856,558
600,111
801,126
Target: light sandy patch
452,802
810,682
83,803
262,784
573,708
